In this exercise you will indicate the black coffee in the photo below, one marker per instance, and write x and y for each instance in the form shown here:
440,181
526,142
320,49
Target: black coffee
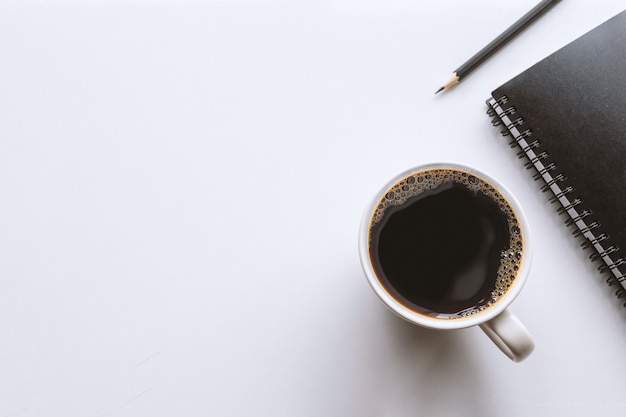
445,243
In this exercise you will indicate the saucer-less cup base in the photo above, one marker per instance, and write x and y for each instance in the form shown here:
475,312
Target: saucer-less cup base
500,325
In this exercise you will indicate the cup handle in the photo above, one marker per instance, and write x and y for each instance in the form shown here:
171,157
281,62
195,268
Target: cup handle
510,335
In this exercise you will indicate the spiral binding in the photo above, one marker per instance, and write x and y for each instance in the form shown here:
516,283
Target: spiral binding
513,126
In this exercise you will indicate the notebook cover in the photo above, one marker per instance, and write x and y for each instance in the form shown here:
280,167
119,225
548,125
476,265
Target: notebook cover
567,113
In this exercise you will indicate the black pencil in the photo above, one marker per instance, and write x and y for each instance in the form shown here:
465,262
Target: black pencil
497,43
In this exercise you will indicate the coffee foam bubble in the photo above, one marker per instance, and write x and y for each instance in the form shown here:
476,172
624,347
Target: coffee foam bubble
419,182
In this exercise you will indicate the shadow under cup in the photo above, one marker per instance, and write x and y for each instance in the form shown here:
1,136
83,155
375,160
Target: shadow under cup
444,243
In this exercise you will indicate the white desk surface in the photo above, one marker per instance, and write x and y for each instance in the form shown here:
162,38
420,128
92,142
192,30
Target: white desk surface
182,184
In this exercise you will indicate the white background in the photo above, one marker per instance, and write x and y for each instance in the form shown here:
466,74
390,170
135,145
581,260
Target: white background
181,187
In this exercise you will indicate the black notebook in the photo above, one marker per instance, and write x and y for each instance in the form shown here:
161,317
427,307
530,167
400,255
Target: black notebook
567,117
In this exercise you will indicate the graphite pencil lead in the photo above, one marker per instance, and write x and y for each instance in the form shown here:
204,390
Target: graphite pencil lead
454,79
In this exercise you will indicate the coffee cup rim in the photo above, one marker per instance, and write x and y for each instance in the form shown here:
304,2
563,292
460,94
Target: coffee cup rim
445,323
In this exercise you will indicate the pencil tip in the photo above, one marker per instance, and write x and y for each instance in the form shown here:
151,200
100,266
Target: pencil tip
454,79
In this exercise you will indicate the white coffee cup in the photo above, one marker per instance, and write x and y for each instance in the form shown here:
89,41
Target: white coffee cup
502,327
